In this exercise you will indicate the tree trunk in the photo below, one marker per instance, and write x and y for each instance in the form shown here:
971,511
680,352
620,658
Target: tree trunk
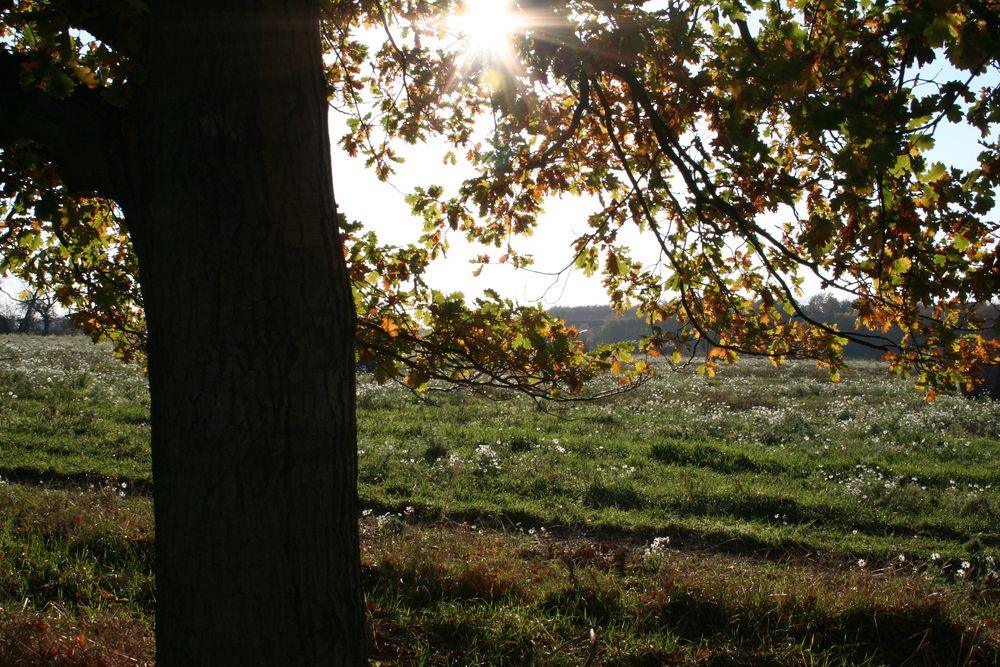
251,324
46,316
27,321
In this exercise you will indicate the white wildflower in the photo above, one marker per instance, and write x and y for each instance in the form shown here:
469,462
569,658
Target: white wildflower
658,546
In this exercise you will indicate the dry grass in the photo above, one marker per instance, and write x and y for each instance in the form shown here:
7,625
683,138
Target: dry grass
438,592
58,637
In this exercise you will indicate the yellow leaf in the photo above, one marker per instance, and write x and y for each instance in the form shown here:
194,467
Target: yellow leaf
86,76
390,327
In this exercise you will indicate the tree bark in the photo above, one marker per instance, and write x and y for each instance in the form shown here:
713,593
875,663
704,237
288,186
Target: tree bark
27,320
251,324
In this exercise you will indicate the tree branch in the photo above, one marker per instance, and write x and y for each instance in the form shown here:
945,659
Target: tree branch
583,97
114,23
748,229
80,134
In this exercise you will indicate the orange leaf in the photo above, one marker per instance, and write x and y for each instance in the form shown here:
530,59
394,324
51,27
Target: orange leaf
390,327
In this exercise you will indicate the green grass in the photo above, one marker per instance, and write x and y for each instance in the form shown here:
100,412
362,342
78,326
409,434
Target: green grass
68,408
76,589
757,458
796,521
500,600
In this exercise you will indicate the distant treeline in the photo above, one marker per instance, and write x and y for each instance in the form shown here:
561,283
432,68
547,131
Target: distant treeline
600,324
55,327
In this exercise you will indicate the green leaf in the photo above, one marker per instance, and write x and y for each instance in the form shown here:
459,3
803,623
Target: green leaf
59,85
902,265
936,172
902,166
924,142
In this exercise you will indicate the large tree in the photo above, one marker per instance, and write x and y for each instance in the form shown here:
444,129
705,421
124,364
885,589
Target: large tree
165,168
216,151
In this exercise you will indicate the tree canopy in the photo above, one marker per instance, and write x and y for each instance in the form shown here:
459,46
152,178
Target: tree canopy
763,146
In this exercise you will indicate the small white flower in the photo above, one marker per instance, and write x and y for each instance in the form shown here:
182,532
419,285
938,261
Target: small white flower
862,563
935,556
658,545
966,565
902,558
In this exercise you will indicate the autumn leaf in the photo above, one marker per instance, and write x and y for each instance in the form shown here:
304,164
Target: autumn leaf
390,327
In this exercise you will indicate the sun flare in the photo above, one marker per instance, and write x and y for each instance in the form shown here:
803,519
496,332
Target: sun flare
486,26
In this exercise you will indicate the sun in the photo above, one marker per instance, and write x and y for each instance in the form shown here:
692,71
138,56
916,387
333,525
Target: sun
486,27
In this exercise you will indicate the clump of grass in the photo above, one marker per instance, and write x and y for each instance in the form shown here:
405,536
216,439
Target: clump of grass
69,408
56,637
435,452
446,594
89,550
618,495
703,455
76,580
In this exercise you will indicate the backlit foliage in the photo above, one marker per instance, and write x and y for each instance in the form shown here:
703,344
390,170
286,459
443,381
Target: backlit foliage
760,145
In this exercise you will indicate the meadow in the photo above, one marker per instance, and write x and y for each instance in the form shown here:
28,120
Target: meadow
766,516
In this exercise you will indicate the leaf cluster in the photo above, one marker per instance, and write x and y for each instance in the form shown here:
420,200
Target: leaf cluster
763,146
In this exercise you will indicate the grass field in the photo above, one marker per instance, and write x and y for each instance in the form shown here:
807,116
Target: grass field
762,517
